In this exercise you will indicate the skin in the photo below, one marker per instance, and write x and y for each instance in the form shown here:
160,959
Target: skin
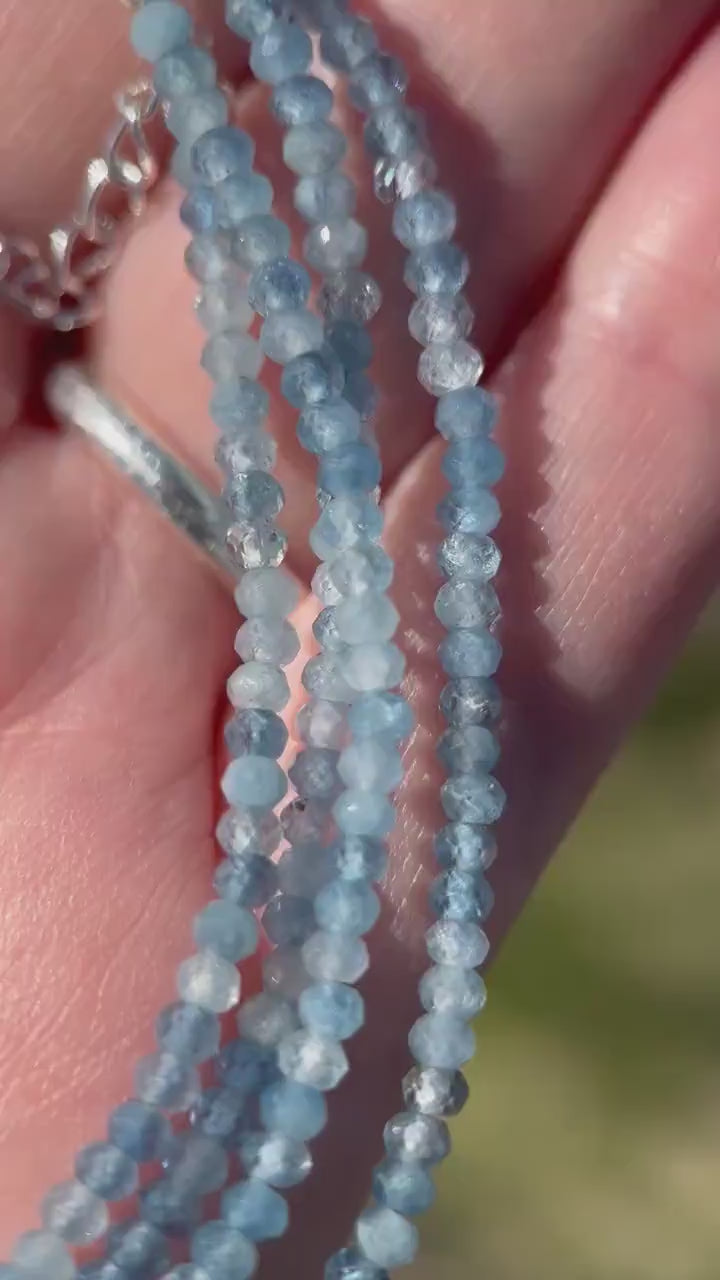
585,161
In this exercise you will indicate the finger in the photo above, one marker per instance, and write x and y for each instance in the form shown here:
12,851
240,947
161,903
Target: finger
610,536
524,157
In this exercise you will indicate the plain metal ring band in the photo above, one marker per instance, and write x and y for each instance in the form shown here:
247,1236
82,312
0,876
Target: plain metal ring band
75,401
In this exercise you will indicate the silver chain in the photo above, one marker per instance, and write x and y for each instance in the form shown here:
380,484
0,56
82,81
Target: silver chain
58,285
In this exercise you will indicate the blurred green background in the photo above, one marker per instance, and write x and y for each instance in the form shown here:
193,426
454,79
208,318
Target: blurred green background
591,1145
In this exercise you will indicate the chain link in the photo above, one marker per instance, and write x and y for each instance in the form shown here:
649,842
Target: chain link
59,285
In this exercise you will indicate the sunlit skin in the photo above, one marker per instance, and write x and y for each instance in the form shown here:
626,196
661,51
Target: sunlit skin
580,137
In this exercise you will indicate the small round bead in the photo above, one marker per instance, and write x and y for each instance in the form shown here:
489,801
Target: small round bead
165,1081
367,618
374,666
467,602
468,653
395,131
254,496
240,406
473,511
207,258
458,943
270,593
304,821
164,1208
138,1249
386,1237
314,774
265,686
434,1091
448,366
311,1060
243,831
332,1010
250,882
209,981
74,1213
465,555
335,957
351,1264
420,1138
364,567
441,1040
255,1209
346,41
188,1032
371,766
403,1186
275,1158
347,906
313,149
198,212
190,118
352,469
284,972
335,246
440,318
255,546
241,196
322,724
254,781
470,700
359,857
324,197
138,1129
466,847
328,426
351,343
462,895
217,1114
251,18
461,415
231,354
350,295
282,51
158,28
245,1067
470,464
227,930
424,219
467,748
222,305
196,1165
260,239
225,1254
106,1170
304,869
184,71
438,268
448,989
361,393
287,334
266,1019
39,1254
288,920
301,99
254,731
323,677
296,1110
280,285
313,377
473,798
344,523
381,713
377,81
221,153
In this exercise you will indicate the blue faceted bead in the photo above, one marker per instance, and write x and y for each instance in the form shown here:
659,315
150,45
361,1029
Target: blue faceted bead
288,920
239,406
311,378
314,774
245,1066
361,393
473,797
275,1158
139,1129
467,847
304,869
352,469
380,714
470,652
226,929
198,211
254,731
301,99
297,1110
139,1249
468,748
471,700
254,782
424,219
378,81
325,630
287,334
241,196
386,1237
255,1209
222,152
396,131
344,523
254,496
464,414
164,1081
438,268
441,1040
249,881
449,989
346,41
465,896
259,239
474,511
281,285
189,1032
168,1210
325,197
159,27
364,813
347,906
327,426
359,857
332,1010
106,1170
458,943
404,1186
218,1114
465,555
283,50
223,1252
351,343
467,602
184,71
351,1264
189,118
250,18
335,957
196,1165
314,149
474,462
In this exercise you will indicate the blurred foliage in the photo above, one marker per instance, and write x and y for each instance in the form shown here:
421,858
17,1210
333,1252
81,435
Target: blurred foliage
591,1146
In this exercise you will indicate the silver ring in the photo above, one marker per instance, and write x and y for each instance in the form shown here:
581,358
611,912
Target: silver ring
181,496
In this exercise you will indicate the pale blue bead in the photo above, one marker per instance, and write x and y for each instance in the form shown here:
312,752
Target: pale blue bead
467,602
271,640
350,1264
207,258
260,239
435,1092
259,684
314,773
465,555
198,211
138,1129
270,593
335,246
231,354
223,1252
190,1033
441,1040
473,462
469,511
359,857
322,724
184,71
277,1159
367,618
283,972
311,1060
467,847
39,1254
324,427
228,930
448,366
254,731
304,868
255,782
266,1019
312,149
239,406
324,677
361,393
473,798
312,378
458,943
249,882
347,906
209,981
470,700
325,630
440,318
461,415
352,469
164,1208
305,821
371,765
351,343
424,219
196,1165
461,895
241,196
386,1237
374,666
359,569
250,18
350,295
190,118
403,1186
222,305
138,1248
324,197
73,1212
222,152
332,1010
284,50
449,989
288,920
396,131
159,27
282,285
413,1136
381,713
255,1209
253,545
166,1081
344,522
470,653
301,99
364,813
377,81
246,1067
335,957
106,1170
287,334
346,41
240,832
438,268
217,1113
294,1109
468,748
